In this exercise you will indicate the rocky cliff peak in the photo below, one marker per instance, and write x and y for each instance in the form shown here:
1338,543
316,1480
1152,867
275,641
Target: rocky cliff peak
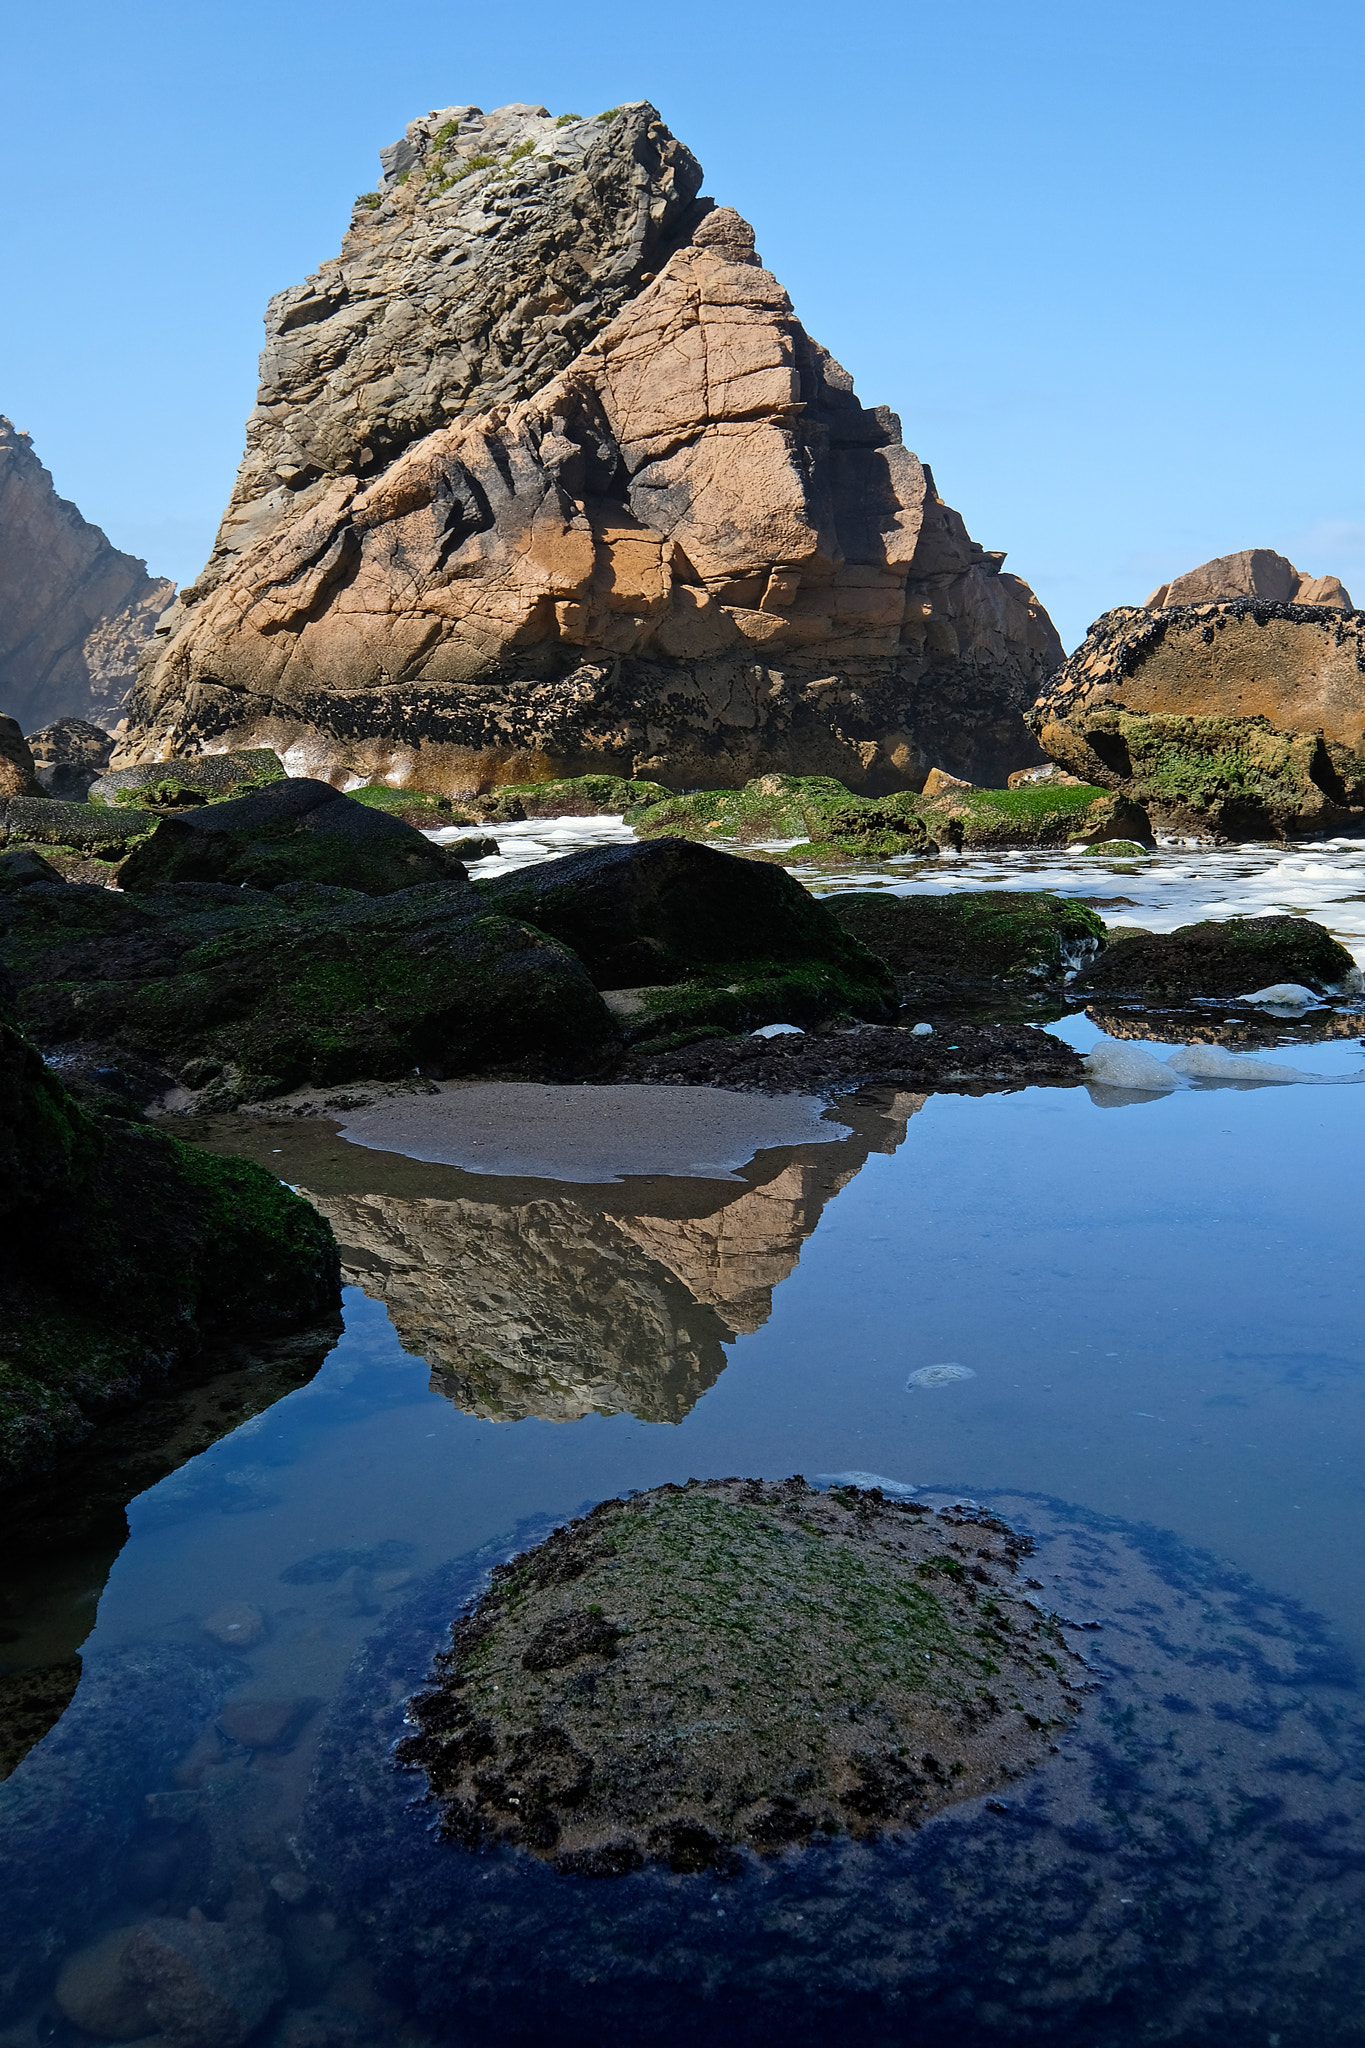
546,476
75,613
494,248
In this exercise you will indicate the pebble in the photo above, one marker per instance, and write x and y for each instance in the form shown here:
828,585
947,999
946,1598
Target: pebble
238,1626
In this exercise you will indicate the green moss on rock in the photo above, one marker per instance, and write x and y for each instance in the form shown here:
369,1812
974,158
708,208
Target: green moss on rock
574,796
737,1664
184,784
1229,957
123,1254
945,945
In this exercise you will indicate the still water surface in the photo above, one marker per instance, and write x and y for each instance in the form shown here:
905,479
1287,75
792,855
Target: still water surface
1156,1309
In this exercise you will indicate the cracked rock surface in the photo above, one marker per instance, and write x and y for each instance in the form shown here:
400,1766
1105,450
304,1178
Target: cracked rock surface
546,478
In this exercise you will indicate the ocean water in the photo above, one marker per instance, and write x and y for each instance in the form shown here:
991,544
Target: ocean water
1131,1324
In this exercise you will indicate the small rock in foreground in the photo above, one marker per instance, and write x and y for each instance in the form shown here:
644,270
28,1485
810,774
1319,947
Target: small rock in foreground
739,1664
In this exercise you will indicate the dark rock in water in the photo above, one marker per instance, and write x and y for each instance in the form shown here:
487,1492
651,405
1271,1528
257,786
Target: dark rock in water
961,1057
186,784
206,1985
95,1993
73,1807
69,756
121,1250
944,946
733,1664
1233,956
747,940
1188,1867
290,831
243,994
266,1724
31,1702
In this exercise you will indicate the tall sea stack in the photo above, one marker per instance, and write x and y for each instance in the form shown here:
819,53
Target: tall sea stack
545,477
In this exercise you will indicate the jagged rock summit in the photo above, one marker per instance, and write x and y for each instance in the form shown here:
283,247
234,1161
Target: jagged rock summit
1254,572
545,478
75,613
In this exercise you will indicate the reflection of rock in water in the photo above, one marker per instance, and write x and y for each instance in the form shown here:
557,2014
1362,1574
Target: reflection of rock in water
1188,1868
1251,1030
565,1306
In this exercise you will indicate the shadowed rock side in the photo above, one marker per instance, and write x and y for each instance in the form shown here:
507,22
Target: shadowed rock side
75,613
559,1309
546,478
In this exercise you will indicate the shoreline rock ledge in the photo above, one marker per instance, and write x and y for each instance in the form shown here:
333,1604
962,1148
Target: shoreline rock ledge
546,478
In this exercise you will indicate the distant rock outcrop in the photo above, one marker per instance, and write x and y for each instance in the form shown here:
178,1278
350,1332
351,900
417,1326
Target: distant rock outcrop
1231,704
75,614
546,478
1255,572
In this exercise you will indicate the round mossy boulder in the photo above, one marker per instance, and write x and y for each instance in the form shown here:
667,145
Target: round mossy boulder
738,1664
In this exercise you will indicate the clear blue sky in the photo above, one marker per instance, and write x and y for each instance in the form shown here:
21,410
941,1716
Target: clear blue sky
1104,259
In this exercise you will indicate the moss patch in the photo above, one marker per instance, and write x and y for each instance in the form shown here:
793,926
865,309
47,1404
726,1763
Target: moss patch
943,945
122,1253
738,1664
1234,956
180,785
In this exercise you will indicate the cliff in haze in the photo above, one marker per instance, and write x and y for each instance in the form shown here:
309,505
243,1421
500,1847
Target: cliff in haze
75,613
545,476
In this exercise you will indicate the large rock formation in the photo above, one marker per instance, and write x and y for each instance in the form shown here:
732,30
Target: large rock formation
545,477
1254,572
1227,705
75,614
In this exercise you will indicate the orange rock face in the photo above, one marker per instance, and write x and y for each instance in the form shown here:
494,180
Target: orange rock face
690,554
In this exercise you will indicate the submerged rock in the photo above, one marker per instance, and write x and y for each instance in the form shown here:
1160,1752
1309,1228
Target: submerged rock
1189,1866
206,1985
733,1663
1234,956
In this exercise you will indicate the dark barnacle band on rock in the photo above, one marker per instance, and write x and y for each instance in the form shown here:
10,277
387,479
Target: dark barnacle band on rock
735,1664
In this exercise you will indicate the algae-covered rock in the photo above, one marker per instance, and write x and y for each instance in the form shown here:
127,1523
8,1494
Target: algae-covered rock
1233,956
123,1253
736,1663
828,822
187,783
1218,776
294,831
945,945
242,993
94,830
574,796
670,912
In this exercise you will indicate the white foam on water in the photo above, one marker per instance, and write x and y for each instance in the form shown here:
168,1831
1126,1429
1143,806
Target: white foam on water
1216,1063
535,840
865,1481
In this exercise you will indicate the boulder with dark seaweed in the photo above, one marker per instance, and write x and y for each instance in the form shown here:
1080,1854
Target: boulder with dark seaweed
294,831
735,1664
1233,956
699,937
240,993
123,1254
951,945
185,784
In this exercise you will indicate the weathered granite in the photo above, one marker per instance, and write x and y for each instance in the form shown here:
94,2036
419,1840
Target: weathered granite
1239,718
546,478
69,756
1254,572
75,613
